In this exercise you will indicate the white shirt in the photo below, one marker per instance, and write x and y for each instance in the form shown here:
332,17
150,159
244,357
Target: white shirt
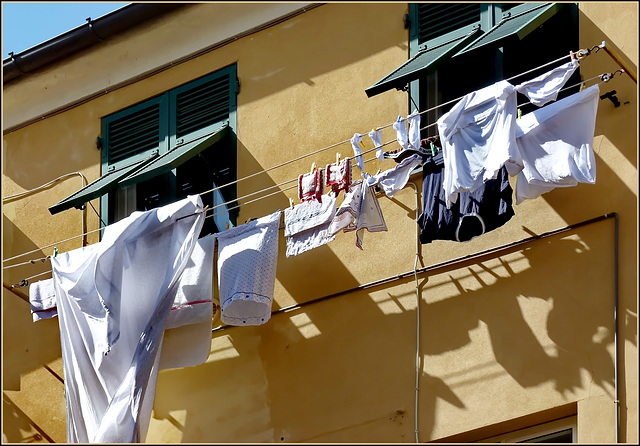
478,134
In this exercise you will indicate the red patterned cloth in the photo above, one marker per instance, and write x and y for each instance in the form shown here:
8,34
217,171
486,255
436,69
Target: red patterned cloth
311,185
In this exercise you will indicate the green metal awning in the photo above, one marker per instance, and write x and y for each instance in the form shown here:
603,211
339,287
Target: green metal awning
174,157
426,59
98,188
515,24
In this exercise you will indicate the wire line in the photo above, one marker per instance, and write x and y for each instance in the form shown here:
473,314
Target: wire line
309,154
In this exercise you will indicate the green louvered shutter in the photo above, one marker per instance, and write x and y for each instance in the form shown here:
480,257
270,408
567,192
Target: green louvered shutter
438,19
134,133
201,104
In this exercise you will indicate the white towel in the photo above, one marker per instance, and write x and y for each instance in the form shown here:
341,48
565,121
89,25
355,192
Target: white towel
42,297
247,260
306,225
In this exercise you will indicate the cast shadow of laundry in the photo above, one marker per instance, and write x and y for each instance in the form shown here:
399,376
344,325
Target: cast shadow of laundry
26,351
579,325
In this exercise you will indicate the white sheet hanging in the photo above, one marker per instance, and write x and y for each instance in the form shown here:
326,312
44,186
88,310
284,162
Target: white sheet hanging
113,299
556,143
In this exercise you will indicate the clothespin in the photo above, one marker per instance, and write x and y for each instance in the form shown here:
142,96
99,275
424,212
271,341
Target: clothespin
291,202
55,251
313,167
573,56
22,283
434,150
338,157
519,113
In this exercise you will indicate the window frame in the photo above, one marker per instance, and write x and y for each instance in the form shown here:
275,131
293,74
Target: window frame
168,127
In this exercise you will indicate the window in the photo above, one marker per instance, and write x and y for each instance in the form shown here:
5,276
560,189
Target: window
509,39
457,48
179,143
559,431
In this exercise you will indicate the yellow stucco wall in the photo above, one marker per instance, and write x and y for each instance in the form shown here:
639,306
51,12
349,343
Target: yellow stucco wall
514,337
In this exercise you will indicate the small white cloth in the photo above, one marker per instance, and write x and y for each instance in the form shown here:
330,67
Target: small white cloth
42,298
546,87
478,133
360,210
247,261
376,137
306,225
556,143
357,150
400,126
113,299
396,178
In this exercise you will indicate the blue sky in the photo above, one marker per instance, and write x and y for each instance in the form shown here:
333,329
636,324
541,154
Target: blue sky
26,24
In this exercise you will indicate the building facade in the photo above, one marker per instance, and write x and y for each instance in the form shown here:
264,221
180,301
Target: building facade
526,331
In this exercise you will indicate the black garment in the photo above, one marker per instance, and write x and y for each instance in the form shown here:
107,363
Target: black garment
473,214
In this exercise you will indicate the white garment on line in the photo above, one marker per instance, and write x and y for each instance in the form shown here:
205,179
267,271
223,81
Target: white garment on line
113,299
396,178
42,298
192,301
360,210
376,137
247,260
357,150
306,225
478,134
545,88
556,143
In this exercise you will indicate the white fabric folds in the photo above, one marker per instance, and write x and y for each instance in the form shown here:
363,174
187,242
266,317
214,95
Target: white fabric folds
247,260
306,224
478,133
360,210
42,298
556,143
394,179
113,299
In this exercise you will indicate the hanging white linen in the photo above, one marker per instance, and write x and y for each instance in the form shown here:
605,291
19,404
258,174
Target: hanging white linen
360,210
247,260
42,299
396,178
478,133
306,224
556,143
113,299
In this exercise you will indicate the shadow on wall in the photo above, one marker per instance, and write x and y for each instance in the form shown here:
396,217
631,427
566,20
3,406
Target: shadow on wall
345,369
26,345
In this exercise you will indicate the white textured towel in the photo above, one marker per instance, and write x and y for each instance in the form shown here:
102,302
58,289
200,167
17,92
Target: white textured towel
247,260
42,297
306,225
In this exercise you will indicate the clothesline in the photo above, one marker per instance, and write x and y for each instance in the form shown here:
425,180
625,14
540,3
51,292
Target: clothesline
371,150
581,54
605,77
